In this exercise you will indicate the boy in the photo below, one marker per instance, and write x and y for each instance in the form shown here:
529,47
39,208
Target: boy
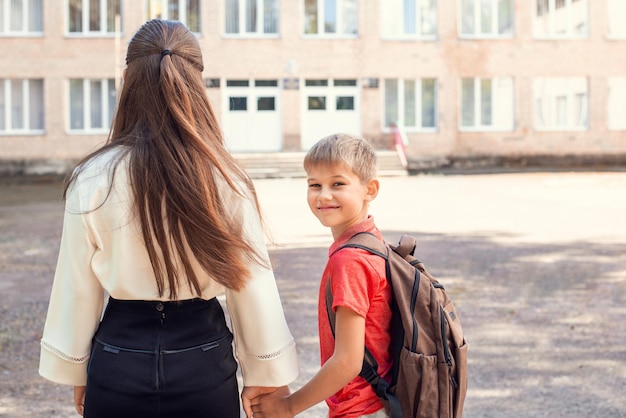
341,171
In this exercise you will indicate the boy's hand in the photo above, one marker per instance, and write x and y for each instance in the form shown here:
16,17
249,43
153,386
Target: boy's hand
274,405
251,393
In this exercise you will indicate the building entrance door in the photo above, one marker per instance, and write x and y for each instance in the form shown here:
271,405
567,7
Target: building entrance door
329,106
251,116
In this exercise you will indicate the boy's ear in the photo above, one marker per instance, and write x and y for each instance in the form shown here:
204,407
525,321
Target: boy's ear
372,189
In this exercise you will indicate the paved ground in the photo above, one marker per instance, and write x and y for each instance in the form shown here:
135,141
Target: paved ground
536,264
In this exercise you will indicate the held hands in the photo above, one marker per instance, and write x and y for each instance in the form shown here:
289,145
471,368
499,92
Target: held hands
261,402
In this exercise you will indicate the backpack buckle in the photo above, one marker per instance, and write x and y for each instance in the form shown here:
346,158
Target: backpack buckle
370,375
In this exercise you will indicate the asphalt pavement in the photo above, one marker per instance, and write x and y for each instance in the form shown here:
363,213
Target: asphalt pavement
535,263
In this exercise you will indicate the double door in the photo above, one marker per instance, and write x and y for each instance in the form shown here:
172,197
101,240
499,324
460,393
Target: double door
328,107
251,115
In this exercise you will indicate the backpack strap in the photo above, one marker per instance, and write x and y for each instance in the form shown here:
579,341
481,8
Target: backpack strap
369,371
368,242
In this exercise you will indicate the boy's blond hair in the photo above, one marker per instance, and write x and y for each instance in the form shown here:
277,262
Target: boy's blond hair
346,149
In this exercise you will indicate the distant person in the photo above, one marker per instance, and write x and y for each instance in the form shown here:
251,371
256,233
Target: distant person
341,171
162,219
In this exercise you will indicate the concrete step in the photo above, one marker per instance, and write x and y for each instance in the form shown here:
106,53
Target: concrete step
289,164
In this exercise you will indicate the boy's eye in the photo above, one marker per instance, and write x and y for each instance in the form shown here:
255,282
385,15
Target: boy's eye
337,184
314,185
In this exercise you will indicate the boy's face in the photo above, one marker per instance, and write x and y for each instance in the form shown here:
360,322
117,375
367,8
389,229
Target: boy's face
337,197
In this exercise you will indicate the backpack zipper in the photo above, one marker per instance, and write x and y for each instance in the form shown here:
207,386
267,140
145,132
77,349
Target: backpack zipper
414,291
446,347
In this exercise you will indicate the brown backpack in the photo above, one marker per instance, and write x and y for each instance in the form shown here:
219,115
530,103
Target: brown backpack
429,351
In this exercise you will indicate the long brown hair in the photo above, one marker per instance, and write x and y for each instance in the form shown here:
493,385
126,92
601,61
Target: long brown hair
177,158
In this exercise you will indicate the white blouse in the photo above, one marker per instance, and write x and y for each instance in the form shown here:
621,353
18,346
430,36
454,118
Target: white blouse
102,253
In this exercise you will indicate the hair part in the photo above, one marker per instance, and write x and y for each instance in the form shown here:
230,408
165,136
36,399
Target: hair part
353,151
178,163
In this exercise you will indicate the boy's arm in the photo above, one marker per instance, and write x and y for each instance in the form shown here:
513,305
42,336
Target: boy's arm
343,366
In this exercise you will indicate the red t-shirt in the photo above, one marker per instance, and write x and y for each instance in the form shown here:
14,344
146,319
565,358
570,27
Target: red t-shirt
358,282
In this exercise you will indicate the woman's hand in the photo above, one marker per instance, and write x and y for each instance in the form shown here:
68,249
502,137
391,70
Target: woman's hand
79,399
251,392
274,405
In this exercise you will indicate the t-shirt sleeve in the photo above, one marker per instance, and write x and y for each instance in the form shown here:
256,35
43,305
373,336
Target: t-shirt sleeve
353,280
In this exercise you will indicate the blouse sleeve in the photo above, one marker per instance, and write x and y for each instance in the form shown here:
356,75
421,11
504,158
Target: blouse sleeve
76,301
264,345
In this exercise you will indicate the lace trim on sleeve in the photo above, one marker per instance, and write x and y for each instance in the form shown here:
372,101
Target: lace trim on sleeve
61,354
275,354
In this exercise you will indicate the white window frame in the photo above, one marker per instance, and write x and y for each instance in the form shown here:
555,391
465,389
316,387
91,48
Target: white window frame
495,14
28,8
182,12
107,117
7,115
550,92
104,30
339,33
401,106
566,12
616,10
260,21
392,12
502,105
617,104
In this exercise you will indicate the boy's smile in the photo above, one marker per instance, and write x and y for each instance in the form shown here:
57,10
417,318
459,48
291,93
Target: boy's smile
337,197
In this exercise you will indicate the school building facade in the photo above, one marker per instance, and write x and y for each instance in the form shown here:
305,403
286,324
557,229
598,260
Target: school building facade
462,80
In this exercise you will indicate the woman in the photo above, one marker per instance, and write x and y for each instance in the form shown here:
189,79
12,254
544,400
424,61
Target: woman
158,222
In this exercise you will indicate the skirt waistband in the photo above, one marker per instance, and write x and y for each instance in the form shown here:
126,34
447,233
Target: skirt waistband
151,325
169,307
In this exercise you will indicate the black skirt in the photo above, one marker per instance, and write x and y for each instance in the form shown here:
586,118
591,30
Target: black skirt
162,359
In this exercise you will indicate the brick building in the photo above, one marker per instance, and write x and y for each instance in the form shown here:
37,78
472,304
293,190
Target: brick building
463,79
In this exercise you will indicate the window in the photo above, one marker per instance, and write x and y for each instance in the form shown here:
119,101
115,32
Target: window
317,102
561,19
561,103
185,11
617,18
410,19
486,18
238,103
237,83
340,82
331,17
411,104
265,103
92,105
266,83
345,103
21,106
617,103
21,17
93,16
252,17
486,104
310,83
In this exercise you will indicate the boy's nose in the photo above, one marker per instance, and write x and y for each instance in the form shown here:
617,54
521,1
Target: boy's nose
325,194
